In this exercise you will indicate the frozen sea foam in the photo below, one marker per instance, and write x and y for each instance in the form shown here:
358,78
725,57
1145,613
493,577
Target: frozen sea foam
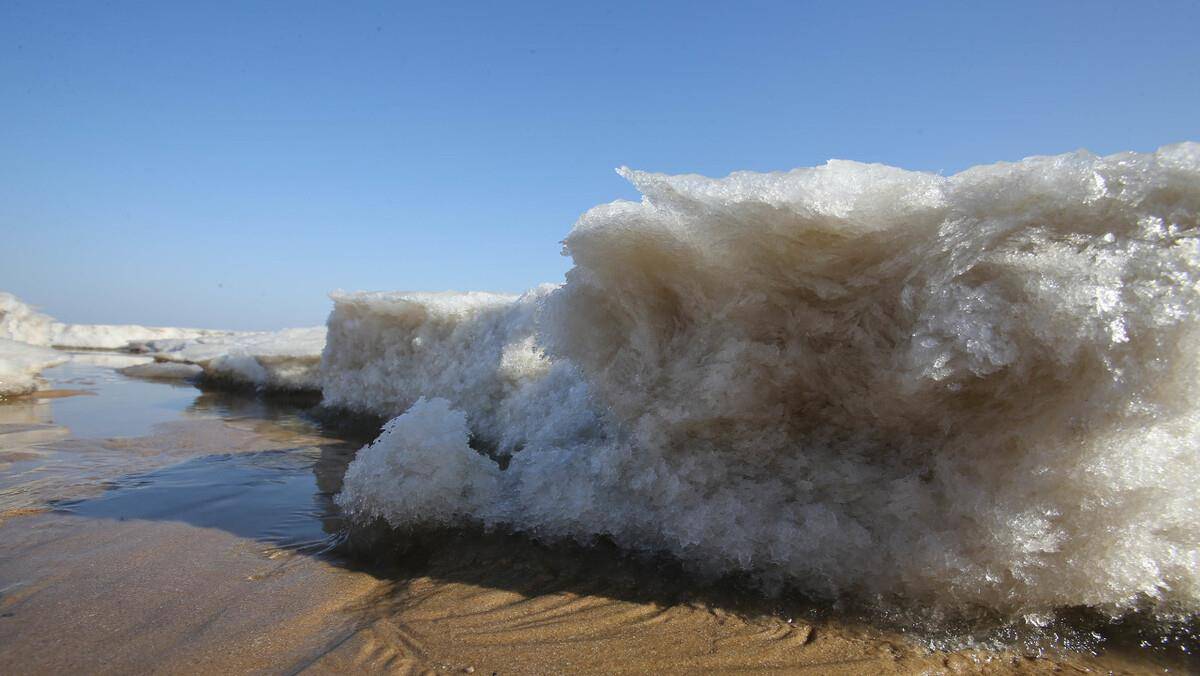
476,351
966,391
22,323
20,364
286,360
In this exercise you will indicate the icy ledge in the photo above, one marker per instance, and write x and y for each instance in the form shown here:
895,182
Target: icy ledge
287,360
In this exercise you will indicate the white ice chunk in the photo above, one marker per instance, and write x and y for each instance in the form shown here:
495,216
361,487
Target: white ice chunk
421,470
20,364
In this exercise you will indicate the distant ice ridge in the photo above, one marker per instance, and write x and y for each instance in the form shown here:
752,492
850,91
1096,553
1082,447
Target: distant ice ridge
964,391
287,360
273,360
22,323
20,363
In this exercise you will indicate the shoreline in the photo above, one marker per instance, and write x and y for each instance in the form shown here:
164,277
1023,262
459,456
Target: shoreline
224,548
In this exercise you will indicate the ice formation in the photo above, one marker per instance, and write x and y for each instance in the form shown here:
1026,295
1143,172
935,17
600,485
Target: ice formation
22,323
276,360
475,350
163,370
974,390
425,465
20,363
287,360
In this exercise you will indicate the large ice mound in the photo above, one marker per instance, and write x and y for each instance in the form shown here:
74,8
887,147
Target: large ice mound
975,390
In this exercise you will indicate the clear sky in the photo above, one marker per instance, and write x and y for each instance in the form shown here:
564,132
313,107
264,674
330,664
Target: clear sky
227,164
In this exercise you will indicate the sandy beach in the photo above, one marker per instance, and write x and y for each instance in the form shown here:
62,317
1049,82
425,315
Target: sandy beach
167,597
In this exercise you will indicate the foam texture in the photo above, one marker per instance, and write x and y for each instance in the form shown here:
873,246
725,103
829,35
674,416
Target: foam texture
967,391
474,350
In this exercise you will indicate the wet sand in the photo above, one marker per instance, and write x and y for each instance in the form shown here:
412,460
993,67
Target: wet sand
201,536
132,596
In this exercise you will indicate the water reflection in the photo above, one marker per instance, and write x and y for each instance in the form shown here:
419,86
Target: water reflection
282,498
121,407
261,467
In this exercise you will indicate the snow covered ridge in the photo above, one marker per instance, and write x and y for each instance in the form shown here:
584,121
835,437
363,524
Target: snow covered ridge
20,363
273,360
965,391
22,323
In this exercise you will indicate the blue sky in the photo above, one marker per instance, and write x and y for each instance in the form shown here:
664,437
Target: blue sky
228,164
